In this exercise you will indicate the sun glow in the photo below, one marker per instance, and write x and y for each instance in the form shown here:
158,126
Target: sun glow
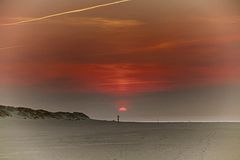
122,109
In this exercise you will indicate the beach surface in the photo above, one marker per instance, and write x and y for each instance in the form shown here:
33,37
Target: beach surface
102,140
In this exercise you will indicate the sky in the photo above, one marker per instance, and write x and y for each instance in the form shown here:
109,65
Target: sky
163,60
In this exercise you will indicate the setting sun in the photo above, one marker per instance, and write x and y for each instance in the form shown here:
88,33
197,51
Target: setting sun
122,109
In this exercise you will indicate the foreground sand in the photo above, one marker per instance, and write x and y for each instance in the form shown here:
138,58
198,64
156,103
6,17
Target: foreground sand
96,140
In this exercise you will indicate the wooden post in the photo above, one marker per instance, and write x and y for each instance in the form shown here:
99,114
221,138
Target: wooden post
118,118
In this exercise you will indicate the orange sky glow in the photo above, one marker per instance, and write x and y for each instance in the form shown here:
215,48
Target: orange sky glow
123,52
126,48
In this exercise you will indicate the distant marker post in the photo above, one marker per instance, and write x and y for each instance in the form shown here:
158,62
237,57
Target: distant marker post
121,109
118,118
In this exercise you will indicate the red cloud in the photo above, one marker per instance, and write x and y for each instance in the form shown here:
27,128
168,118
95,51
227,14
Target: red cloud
114,78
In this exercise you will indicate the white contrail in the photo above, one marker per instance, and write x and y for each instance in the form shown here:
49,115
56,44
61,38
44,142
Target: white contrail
64,13
10,47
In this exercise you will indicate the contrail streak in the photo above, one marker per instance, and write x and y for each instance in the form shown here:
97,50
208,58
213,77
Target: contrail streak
10,47
64,13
